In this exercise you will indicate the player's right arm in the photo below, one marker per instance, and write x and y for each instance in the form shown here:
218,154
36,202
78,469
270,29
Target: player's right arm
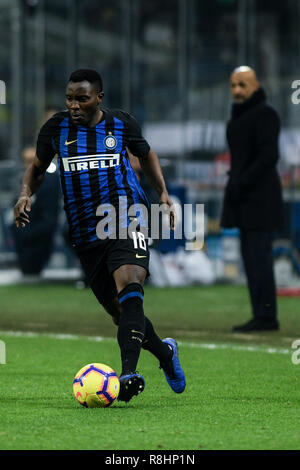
35,173
32,180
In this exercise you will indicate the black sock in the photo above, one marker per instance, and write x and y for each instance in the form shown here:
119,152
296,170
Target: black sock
131,326
154,344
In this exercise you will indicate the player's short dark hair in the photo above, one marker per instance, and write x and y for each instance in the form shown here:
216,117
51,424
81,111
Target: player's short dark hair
89,75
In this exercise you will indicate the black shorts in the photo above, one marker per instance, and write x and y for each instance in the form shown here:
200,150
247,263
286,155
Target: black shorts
100,261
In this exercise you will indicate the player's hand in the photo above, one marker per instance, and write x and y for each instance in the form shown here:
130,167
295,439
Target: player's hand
21,209
165,199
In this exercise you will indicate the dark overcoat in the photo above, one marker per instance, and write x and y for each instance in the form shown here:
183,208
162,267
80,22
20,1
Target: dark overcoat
253,195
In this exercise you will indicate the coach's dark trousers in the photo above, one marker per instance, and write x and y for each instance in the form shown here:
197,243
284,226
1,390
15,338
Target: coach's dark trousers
256,249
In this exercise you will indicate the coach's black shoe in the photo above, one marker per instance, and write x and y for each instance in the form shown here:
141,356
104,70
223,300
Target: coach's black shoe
257,325
130,384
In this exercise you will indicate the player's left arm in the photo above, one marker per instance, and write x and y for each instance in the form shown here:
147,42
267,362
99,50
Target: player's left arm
151,167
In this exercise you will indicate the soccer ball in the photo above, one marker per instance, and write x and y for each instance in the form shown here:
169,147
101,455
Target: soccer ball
96,385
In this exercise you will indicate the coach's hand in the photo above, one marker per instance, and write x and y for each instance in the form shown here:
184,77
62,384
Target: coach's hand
21,209
165,199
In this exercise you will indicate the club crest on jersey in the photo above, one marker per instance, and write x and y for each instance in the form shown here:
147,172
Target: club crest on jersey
110,142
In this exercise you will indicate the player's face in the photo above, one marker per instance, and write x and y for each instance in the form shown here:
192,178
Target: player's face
242,86
83,102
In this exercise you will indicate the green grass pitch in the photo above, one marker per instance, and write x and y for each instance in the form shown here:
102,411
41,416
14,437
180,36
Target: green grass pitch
242,390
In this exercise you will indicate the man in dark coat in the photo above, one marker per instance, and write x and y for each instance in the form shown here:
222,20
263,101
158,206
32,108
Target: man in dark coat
253,198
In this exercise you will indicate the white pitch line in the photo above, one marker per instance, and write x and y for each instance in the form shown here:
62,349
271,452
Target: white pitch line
235,347
189,344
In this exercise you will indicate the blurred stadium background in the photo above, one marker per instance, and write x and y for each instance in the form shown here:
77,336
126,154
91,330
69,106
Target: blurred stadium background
167,63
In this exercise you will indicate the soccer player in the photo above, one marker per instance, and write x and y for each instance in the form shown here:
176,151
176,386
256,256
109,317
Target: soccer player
95,174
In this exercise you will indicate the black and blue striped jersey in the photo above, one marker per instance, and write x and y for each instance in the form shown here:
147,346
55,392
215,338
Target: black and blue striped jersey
94,167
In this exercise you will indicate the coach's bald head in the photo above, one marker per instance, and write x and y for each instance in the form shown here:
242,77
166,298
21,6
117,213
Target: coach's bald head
243,83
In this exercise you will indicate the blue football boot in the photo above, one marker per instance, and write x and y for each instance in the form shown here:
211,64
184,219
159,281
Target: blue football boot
130,385
172,368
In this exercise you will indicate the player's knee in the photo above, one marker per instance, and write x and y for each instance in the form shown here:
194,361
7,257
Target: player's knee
129,274
131,290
